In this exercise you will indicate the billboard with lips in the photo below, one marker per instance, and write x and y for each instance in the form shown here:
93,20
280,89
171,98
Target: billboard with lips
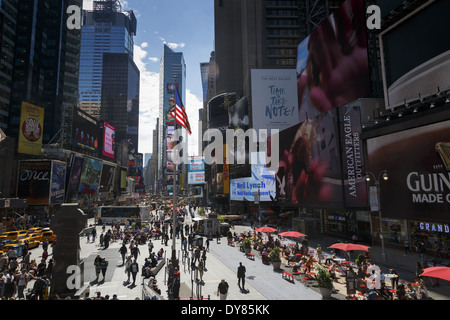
332,62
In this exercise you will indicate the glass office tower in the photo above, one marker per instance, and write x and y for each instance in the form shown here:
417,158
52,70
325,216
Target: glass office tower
120,97
172,69
105,29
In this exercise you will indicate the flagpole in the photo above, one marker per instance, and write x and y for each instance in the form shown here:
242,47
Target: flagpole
174,218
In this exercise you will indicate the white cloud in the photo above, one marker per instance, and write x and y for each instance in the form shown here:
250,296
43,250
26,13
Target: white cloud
149,104
192,105
148,101
144,45
175,46
153,59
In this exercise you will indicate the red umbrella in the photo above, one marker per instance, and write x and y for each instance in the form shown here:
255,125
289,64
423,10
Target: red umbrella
349,247
265,229
293,234
437,272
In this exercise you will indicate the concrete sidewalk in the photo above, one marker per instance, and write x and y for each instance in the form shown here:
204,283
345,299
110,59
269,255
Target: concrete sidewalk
262,282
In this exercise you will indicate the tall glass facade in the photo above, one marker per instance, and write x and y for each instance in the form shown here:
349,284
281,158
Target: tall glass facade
120,96
172,68
104,30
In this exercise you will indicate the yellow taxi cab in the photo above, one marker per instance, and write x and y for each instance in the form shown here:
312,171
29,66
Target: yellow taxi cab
34,237
10,235
31,244
48,236
34,230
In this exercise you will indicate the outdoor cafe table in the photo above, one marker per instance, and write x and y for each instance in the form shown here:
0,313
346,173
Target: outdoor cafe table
339,260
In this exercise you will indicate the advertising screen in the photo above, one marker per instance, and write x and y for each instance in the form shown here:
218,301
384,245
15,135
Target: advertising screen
243,189
332,63
75,166
123,179
424,69
274,99
34,180
419,181
90,176
109,136
31,129
85,131
57,190
196,170
309,171
107,177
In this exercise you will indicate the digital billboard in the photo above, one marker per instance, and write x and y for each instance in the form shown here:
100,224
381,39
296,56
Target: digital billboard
85,131
107,178
418,187
57,189
274,99
423,70
243,189
90,176
76,166
31,129
109,137
34,181
196,170
332,62
309,171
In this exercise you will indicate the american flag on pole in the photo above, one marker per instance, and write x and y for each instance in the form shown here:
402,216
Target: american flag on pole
180,112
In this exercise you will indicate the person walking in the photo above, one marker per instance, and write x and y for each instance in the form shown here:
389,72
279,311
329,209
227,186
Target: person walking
135,251
98,267
222,290
22,283
123,251
128,268
204,258
104,267
107,239
150,247
134,269
200,270
94,234
241,276
406,245
196,254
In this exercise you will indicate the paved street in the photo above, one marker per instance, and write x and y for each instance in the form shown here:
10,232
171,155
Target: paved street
262,282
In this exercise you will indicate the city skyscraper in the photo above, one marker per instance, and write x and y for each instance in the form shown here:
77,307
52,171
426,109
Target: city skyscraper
8,15
172,73
45,65
105,29
120,97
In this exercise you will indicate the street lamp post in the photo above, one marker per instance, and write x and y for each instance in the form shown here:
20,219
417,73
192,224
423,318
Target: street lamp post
259,204
369,176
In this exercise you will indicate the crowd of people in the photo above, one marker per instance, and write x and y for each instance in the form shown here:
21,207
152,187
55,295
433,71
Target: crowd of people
372,282
17,275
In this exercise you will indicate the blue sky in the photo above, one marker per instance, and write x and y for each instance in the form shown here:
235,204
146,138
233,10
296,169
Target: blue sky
185,26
